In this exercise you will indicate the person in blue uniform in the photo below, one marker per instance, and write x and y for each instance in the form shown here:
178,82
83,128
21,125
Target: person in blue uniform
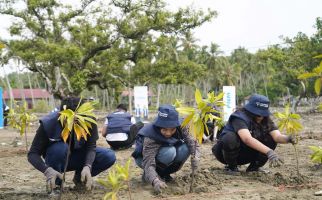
163,146
120,129
48,151
250,137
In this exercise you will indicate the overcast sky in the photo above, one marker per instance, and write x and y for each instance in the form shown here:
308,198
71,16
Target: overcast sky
255,24
252,24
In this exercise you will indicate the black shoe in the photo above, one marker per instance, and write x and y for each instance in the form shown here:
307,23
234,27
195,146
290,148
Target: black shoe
167,178
254,168
134,128
231,170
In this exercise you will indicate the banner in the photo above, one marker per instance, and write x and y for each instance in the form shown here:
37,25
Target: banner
141,103
229,101
1,109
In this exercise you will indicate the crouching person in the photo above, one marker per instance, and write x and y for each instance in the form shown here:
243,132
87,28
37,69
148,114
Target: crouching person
120,129
162,147
250,137
48,152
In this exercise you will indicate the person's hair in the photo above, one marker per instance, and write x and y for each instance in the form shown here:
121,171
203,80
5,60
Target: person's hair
122,107
265,123
71,103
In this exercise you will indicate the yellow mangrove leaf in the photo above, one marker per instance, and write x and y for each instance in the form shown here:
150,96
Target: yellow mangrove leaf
317,86
187,120
65,134
307,75
78,132
185,110
198,97
108,196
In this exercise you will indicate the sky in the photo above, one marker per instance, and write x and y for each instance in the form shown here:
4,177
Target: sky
253,24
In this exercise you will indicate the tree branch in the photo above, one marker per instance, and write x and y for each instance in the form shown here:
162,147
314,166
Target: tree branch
95,51
68,83
41,22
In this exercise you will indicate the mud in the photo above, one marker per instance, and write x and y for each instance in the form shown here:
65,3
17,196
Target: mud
19,180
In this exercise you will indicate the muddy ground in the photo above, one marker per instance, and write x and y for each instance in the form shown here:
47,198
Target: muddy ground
19,180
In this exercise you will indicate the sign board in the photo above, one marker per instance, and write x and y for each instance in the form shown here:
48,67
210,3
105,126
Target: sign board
141,103
1,109
229,101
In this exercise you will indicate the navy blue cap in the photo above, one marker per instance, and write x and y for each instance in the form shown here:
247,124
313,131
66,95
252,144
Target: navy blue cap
167,117
258,105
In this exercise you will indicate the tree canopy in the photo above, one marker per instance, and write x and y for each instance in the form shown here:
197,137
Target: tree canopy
109,44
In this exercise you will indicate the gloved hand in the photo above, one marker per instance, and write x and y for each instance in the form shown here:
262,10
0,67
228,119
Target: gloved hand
158,185
51,176
86,177
194,162
291,139
274,160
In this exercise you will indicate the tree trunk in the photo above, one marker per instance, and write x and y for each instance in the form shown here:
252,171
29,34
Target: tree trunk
158,95
21,86
104,100
130,99
31,91
96,92
107,100
9,88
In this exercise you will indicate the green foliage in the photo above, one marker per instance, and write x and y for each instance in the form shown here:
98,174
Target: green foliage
78,121
288,121
320,107
109,44
20,118
20,80
196,118
316,73
2,45
41,106
316,156
117,179
178,103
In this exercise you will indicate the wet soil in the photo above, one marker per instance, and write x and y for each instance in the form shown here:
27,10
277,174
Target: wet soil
19,180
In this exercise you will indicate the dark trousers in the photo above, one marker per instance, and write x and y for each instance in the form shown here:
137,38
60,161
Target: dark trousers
57,152
169,159
117,145
5,118
232,151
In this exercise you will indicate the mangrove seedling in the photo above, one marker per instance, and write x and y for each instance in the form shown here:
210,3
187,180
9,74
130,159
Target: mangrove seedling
289,122
197,117
316,156
118,178
20,118
76,122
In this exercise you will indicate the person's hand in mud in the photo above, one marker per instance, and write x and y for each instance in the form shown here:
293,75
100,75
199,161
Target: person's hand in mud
274,160
158,185
291,139
86,177
51,176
